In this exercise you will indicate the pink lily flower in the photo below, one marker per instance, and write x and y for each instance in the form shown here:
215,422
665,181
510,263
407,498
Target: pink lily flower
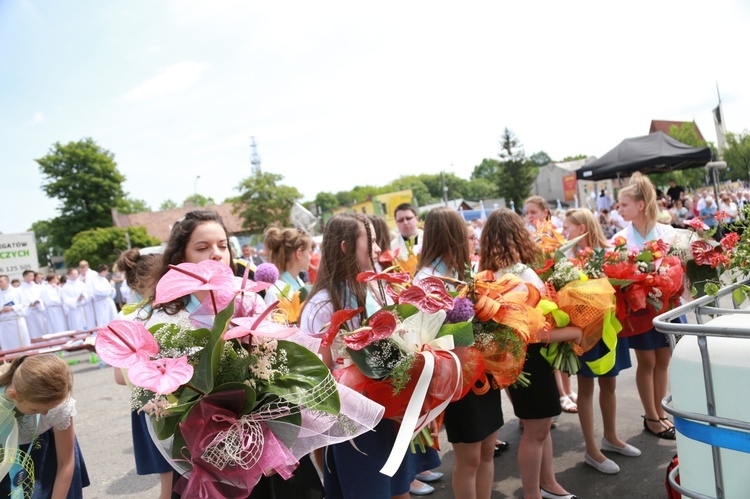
162,376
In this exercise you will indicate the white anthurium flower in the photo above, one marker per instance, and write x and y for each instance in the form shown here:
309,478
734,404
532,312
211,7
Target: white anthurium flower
422,329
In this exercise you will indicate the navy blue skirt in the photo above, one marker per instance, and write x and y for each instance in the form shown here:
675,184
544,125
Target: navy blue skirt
650,340
622,359
44,456
148,459
355,472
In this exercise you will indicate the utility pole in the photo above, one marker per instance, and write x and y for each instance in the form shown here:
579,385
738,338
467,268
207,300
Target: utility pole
254,158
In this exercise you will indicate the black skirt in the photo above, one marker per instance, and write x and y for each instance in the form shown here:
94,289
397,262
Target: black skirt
540,399
474,417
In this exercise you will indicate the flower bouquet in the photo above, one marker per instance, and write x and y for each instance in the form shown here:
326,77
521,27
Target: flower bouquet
402,356
506,321
709,258
290,304
230,405
647,283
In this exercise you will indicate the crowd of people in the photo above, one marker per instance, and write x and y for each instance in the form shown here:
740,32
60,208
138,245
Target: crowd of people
83,299
446,246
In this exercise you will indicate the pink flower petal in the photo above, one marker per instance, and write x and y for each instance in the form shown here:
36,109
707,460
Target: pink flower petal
370,275
428,295
339,317
162,376
380,326
187,278
123,343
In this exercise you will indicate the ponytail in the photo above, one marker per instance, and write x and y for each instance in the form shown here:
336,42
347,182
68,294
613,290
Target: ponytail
640,188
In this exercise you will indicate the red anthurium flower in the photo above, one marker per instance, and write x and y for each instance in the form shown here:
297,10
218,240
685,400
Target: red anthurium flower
339,317
380,326
371,275
388,255
124,343
729,241
162,376
697,223
548,264
186,278
703,252
428,295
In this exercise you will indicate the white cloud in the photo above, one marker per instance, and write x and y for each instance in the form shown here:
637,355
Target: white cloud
170,79
38,118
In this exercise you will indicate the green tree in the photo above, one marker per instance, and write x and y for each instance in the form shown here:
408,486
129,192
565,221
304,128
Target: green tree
198,200
130,205
540,158
85,179
104,245
264,201
326,201
487,169
42,230
737,155
516,173
167,204
419,190
574,158
481,188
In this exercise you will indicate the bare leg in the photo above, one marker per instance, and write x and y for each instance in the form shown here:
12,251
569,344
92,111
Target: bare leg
586,416
547,477
474,469
661,380
535,432
165,479
644,380
608,406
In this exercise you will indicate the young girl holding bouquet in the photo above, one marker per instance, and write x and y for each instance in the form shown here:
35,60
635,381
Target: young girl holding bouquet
582,222
39,387
352,468
202,235
638,206
471,423
289,250
506,247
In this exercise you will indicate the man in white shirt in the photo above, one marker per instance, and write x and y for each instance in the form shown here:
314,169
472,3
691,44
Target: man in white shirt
13,331
32,296
409,237
88,276
74,295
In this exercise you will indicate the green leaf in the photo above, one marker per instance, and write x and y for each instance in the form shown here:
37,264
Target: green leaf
463,333
250,394
208,365
403,309
375,369
739,295
621,282
645,256
165,427
307,372
711,288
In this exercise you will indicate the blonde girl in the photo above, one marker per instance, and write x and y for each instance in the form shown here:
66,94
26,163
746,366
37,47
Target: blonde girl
40,387
290,250
639,207
582,222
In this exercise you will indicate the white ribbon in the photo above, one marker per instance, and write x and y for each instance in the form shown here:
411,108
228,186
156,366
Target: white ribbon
411,423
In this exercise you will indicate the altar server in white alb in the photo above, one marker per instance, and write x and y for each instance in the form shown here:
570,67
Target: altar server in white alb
103,294
13,331
32,296
88,276
74,295
53,305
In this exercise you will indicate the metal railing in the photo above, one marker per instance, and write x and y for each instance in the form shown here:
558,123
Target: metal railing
706,306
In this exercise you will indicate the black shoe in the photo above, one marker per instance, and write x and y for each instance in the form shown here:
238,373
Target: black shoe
501,447
666,434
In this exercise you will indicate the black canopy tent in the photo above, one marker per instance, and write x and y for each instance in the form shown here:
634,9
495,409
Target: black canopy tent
653,153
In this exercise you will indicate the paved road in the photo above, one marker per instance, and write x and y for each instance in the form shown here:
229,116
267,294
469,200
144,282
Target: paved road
103,428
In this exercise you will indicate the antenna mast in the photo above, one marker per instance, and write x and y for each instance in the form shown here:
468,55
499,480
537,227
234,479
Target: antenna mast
254,158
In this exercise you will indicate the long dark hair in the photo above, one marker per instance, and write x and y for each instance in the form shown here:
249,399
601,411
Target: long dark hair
505,242
174,254
338,270
382,232
445,238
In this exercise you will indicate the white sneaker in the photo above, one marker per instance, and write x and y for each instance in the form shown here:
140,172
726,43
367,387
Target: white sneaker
608,467
628,450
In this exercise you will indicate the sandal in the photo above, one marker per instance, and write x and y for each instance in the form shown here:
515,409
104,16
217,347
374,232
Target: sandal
573,396
568,405
667,423
667,433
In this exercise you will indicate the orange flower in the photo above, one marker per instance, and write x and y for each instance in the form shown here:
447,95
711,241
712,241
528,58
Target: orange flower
292,308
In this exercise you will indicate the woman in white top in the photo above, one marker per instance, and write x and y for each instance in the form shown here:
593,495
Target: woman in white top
638,206
289,250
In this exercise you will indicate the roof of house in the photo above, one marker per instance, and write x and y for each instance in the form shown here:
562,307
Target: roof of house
664,125
159,223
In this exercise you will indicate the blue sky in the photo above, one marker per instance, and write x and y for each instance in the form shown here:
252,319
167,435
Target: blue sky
340,94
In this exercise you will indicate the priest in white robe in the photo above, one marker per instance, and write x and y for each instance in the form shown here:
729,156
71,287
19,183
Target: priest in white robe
74,295
88,276
13,331
32,295
103,294
54,310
